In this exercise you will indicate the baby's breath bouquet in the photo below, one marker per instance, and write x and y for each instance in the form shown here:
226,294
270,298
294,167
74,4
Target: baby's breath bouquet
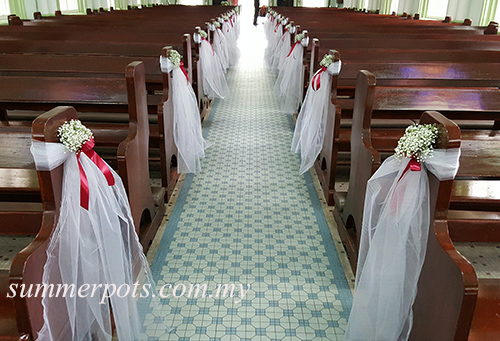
326,61
417,142
175,58
288,27
217,24
299,37
203,34
74,135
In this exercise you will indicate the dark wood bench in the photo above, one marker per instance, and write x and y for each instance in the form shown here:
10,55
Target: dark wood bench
132,163
467,195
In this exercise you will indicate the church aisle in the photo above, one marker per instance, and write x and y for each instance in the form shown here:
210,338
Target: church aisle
249,219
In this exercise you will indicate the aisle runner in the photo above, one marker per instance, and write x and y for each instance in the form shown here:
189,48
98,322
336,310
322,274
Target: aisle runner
250,220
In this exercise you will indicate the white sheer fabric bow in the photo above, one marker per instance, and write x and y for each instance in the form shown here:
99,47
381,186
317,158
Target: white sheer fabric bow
214,81
393,244
289,84
89,249
310,128
188,136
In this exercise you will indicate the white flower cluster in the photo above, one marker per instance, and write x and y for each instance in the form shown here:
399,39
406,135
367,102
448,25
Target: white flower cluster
175,58
203,34
299,37
288,27
417,142
217,24
326,61
74,134
280,19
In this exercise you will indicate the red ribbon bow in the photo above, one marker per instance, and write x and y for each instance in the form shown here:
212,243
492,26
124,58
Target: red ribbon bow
88,149
291,50
316,80
412,165
184,71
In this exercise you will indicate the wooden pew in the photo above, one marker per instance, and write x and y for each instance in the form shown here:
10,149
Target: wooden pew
21,317
369,99
132,162
404,104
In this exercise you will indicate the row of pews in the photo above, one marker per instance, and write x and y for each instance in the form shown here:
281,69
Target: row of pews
394,68
104,69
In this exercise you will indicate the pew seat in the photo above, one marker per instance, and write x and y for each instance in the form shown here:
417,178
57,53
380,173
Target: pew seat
8,328
486,320
474,226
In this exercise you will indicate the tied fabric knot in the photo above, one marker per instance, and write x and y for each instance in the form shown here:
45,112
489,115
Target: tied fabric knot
412,165
88,149
291,50
316,80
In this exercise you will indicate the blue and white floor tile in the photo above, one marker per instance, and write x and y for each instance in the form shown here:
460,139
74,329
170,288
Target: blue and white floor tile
249,219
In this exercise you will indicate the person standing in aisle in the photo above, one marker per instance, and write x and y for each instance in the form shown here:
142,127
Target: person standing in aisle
256,14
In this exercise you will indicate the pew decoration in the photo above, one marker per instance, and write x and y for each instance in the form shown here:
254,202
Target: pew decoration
214,80
231,32
309,132
289,84
91,248
188,136
220,46
394,236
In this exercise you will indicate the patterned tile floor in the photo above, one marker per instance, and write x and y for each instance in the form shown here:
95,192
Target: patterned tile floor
249,219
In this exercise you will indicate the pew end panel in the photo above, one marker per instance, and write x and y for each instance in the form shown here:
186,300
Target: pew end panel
168,148
349,217
132,159
448,286
327,158
27,266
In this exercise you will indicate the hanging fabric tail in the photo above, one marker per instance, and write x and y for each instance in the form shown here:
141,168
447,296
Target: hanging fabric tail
98,246
289,84
395,228
221,49
187,125
309,131
214,81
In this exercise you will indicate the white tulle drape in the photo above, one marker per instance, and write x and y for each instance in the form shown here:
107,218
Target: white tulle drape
309,132
290,82
231,34
281,51
188,135
221,49
94,247
393,244
214,80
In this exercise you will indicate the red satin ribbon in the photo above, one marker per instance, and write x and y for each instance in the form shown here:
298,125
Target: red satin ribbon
412,165
209,44
277,24
184,71
88,149
283,39
291,50
316,81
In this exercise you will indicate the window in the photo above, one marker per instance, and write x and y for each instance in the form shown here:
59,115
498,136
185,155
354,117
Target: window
4,7
313,3
394,6
68,5
497,14
437,9
190,2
